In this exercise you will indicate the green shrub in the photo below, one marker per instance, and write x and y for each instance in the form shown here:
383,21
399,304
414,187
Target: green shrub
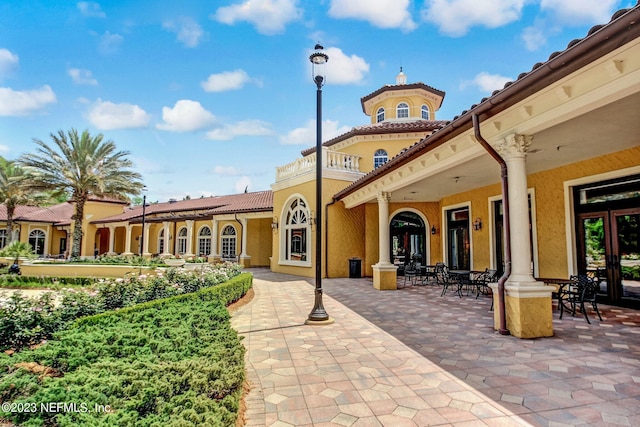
169,362
27,321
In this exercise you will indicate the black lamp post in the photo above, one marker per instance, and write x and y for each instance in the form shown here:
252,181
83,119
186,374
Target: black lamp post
144,207
318,59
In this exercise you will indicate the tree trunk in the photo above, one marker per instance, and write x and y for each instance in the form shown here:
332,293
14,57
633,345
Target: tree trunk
77,227
10,212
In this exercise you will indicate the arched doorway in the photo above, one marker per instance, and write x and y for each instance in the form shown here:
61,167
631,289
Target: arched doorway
408,238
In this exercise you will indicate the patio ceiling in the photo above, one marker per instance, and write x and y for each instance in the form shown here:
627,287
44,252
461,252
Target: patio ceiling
614,127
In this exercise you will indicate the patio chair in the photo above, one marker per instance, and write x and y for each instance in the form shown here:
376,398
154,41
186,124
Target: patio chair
411,272
574,297
480,280
440,270
451,281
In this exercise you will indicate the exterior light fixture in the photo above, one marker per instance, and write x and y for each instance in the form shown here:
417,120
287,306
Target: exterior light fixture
433,230
318,59
274,223
477,224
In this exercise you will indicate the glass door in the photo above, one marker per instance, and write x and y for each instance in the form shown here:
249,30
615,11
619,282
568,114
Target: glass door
609,249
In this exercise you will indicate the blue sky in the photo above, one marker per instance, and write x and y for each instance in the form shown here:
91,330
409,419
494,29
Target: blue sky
210,96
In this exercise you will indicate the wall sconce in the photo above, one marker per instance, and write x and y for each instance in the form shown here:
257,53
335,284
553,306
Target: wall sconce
274,223
433,230
477,224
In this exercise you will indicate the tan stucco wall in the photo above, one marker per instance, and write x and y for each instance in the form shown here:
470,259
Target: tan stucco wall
346,228
93,210
259,234
367,148
415,103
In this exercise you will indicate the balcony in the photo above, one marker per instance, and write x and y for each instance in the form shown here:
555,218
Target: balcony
331,161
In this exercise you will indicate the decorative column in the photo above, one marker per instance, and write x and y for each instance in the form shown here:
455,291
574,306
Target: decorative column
384,273
166,236
245,259
145,243
528,302
189,253
127,241
112,239
215,256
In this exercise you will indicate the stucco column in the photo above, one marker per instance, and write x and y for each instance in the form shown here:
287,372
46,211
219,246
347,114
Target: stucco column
166,236
245,259
528,302
145,243
384,273
112,239
127,241
189,223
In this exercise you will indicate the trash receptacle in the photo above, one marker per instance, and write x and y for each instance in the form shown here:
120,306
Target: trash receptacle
355,268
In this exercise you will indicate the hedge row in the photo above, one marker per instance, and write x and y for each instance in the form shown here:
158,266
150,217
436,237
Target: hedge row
169,362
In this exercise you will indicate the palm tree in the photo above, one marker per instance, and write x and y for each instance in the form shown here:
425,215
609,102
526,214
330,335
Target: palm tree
15,192
82,166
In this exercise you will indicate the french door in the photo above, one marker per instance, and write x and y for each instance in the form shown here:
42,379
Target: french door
609,249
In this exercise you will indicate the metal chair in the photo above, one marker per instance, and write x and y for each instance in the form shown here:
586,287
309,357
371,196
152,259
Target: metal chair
411,272
574,297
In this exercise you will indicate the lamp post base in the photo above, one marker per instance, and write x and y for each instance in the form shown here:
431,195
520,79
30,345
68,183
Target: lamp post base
327,321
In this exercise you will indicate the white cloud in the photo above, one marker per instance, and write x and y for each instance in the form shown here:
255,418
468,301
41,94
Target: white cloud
456,17
579,12
342,69
226,170
488,82
243,183
188,31
185,116
536,36
242,128
379,13
268,16
81,77
106,115
8,62
307,135
110,43
90,8
4,149
22,103
228,80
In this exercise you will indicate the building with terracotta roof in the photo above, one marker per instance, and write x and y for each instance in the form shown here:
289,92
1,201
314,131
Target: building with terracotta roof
539,180
550,164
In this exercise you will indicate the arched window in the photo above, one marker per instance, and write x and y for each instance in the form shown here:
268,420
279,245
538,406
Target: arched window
380,115
161,241
425,112
228,242
204,241
297,232
3,238
181,241
380,157
402,110
36,240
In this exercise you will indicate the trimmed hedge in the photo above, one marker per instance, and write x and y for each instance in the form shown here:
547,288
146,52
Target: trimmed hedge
168,362
15,281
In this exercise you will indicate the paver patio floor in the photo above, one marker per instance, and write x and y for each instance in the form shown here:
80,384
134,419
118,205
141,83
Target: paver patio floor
413,358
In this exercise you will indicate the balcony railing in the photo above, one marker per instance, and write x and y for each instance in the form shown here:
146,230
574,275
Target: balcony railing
331,160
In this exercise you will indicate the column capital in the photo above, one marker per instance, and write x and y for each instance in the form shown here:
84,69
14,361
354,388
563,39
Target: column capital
514,145
384,197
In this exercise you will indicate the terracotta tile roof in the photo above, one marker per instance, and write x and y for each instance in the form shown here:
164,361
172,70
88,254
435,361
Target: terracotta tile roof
383,128
244,202
409,86
600,40
57,214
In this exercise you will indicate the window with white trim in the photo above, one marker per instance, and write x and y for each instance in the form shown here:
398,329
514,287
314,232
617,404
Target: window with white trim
402,110
3,238
425,112
181,241
380,115
228,242
204,241
36,240
380,157
297,231
161,241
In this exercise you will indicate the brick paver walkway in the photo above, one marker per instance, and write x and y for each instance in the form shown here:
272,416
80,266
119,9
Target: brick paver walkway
413,358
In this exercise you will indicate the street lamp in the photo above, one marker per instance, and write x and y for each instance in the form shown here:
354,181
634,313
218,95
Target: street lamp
144,208
318,59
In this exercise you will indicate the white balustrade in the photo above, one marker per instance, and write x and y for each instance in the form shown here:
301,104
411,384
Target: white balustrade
334,160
